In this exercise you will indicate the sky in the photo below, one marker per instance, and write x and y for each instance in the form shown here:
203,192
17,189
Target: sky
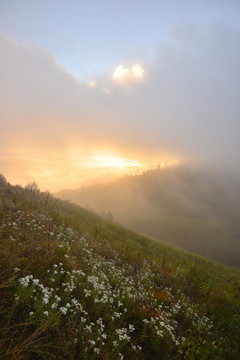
91,90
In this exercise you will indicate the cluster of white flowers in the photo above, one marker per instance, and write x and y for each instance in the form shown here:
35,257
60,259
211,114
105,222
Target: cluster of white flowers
26,280
123,334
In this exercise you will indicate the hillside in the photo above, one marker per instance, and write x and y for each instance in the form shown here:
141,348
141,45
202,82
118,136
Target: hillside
195,210
74,286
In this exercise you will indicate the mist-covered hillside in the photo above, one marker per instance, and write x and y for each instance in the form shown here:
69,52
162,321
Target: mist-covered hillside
196,210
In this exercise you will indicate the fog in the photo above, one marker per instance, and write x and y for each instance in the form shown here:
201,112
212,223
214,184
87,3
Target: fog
186,106
195,209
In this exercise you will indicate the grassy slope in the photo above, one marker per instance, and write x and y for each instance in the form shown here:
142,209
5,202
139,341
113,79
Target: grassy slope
67,276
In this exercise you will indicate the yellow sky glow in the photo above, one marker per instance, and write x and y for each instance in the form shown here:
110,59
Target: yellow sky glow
75,167
112,161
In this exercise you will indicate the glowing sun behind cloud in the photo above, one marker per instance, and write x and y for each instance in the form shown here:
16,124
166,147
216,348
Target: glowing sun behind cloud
123,75
112,161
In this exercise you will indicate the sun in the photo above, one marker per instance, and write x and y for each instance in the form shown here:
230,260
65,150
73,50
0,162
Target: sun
112,161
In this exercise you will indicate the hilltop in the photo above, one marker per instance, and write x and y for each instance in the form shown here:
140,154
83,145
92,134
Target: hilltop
192,209
75,286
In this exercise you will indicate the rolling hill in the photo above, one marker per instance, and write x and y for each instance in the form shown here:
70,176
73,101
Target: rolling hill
75,286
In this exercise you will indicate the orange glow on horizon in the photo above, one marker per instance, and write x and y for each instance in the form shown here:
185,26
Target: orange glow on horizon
74,168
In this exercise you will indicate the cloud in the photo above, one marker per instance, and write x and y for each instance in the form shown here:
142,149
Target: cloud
187,106
125,75
92,83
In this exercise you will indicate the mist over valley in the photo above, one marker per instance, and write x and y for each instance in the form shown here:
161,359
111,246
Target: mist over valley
195,209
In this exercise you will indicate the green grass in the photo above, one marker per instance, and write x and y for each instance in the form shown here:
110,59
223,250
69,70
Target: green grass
74,286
